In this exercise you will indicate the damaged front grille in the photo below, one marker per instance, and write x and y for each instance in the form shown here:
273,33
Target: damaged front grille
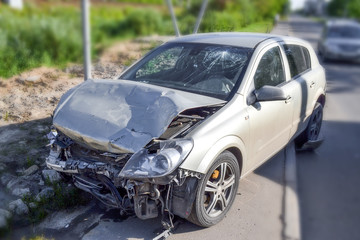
83,153
69,157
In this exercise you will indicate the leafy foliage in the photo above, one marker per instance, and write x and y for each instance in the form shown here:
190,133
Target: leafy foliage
49,35
341,8
29,38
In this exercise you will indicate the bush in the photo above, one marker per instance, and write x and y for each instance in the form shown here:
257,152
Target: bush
143,22
52,36
29,41
221,22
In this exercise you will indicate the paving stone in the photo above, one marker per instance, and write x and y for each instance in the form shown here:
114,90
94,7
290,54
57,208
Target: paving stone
18,207
31,170
20,192
4,217
46,192
52,175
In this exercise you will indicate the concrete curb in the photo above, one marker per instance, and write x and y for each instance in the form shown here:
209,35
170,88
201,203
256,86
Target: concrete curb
292,225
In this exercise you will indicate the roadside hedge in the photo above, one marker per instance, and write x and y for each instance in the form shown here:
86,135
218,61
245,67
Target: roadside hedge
47,35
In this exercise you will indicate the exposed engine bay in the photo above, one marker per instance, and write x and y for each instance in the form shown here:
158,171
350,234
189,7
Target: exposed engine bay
148,182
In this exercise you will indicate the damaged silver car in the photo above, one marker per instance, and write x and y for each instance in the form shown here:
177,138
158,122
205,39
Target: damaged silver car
176,131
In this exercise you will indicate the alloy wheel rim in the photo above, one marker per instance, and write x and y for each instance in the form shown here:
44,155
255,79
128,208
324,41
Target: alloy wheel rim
218,191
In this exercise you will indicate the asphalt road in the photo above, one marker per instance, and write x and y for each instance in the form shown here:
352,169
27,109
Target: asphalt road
328,179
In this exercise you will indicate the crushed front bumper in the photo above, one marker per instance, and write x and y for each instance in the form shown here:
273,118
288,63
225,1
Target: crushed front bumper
145,198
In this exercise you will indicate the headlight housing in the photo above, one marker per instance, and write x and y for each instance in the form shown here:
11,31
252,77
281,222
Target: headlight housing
151,164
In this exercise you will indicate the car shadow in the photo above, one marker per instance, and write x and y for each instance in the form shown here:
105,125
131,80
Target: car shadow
327,180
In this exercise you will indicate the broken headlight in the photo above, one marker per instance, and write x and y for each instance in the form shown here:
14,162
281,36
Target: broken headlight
149,164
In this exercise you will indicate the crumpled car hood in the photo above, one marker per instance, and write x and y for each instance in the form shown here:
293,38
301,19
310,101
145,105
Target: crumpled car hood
121,116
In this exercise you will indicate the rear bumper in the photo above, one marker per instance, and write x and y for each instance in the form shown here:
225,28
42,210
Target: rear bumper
348,56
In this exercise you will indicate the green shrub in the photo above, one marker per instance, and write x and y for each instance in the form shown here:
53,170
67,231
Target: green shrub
221,22
186,24
29,40
52,36
143,22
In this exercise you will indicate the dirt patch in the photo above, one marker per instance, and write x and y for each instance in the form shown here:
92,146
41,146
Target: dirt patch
26,104
28,100
34,94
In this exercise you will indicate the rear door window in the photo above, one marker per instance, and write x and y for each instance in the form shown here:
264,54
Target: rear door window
298,58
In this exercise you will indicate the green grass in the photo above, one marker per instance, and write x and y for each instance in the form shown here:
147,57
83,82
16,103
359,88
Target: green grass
260,27
30,38
38,238
52,36
63,198
158,2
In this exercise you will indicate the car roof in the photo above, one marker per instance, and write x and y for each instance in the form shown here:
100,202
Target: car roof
342,22
248,40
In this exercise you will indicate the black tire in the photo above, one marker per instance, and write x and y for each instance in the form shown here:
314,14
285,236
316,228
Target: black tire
312,131
216,191
323,57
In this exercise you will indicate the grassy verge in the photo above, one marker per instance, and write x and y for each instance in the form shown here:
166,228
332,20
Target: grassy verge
260,27
51,36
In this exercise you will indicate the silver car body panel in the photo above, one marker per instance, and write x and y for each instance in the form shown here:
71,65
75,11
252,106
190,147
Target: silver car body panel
236,116
229,127
121,116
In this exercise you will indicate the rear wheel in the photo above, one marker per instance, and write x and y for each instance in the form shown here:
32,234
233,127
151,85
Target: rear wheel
312,132
216,191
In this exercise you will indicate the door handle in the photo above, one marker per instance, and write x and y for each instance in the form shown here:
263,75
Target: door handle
288,99
312,84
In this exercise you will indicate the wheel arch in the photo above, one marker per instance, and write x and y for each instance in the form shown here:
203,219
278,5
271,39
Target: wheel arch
237,153
232,144
321,99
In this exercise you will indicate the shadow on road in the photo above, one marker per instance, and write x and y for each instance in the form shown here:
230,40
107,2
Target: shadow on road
327,181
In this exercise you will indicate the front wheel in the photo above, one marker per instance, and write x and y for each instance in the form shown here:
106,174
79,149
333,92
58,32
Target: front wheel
216,191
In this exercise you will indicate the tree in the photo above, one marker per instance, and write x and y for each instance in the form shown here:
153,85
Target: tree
344,8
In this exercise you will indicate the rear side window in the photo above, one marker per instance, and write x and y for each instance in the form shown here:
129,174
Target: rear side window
298,58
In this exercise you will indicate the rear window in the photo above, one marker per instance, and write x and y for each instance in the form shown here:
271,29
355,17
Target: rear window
344,32
298,58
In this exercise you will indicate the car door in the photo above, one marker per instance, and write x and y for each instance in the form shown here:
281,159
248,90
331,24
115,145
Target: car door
270,121
301,76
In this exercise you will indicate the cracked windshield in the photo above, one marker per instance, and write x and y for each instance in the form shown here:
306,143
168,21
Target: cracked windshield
205,69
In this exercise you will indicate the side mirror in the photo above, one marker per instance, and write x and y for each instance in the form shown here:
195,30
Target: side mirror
267,93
